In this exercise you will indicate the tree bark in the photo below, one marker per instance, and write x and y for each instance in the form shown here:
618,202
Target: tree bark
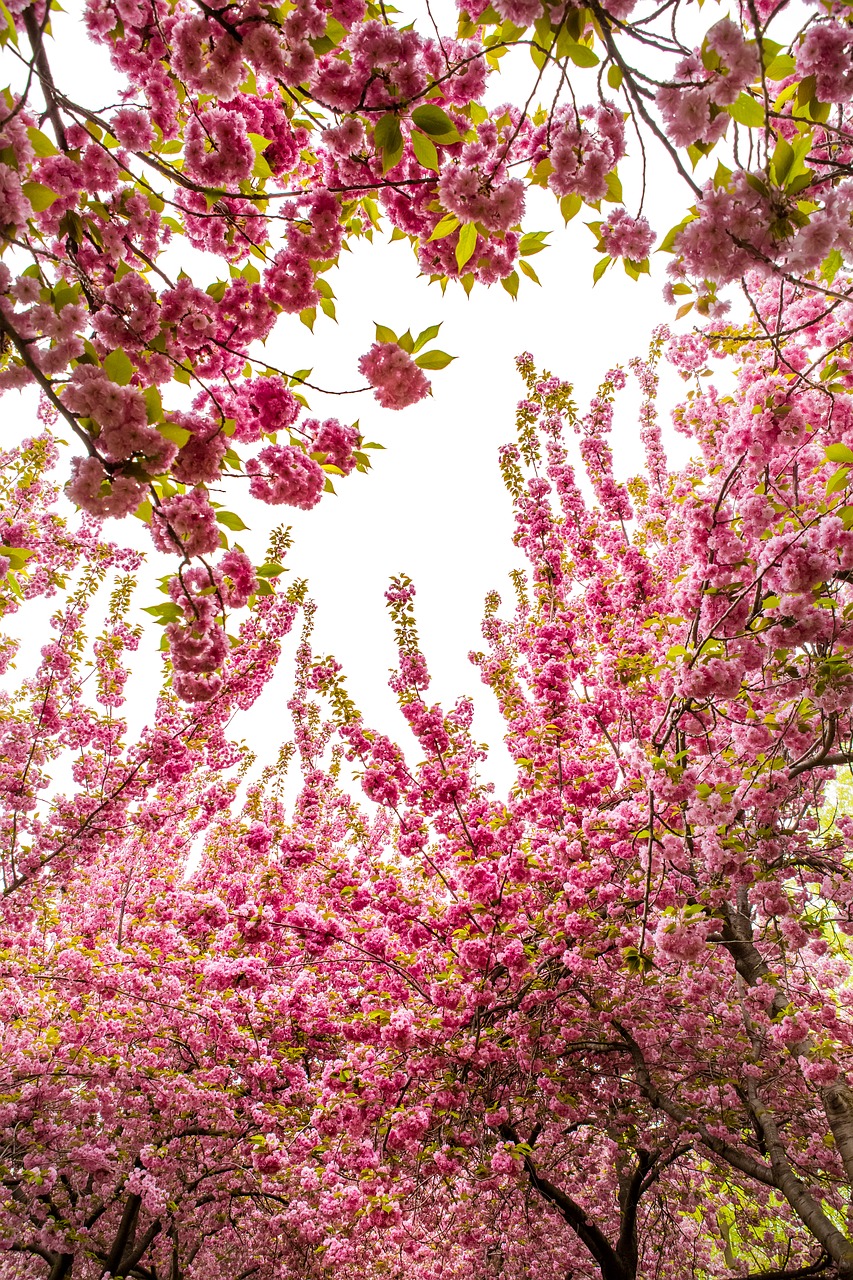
590,1235
837,1099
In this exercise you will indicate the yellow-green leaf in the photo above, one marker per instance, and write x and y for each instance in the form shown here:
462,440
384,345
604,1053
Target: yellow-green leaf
435,122
466,245
231,521
118,367
40,197
425,151
582,56
745,110
434,360
178,435
837,481
445,227
41,143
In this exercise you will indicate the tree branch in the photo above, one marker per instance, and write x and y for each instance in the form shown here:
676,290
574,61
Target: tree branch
35,34
586,1231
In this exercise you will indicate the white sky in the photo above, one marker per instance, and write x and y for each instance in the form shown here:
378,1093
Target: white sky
433,505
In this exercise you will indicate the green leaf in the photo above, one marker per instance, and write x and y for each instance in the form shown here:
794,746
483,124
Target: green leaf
118,367
17,556
782,66
434,360
846,514
40,197
837,481
232,522
538,56
600,268
722,175
436,123
163,613
425,151
388,139
153,404
667,245
831,265
747,111
635,269
510,283
384,334
528,271
445,227
270,570
466,245
407,342
782,161
178,435
614,76
533,242
570,205
582,56
839,453
41,143
259,142
799,183
425,336
11,32
614,188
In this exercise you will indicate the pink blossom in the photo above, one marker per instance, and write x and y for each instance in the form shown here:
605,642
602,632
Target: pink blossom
100,494
396,379
217,151
627,237
336,441
186,524
826,52
284,474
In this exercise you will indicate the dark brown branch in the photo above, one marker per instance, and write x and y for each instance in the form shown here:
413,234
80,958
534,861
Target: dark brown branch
587,1232
123,1235
36,38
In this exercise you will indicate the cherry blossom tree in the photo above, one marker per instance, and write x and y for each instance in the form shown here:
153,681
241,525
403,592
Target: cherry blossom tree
270,139
599,1027
631,998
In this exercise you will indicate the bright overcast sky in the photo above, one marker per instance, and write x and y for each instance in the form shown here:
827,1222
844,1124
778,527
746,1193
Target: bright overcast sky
433,506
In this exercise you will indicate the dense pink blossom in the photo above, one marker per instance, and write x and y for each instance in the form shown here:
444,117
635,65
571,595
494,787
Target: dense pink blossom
827,53
415,1015
583,148
627,237
336,441
187,524
282,473
396,379
102,495
264,406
